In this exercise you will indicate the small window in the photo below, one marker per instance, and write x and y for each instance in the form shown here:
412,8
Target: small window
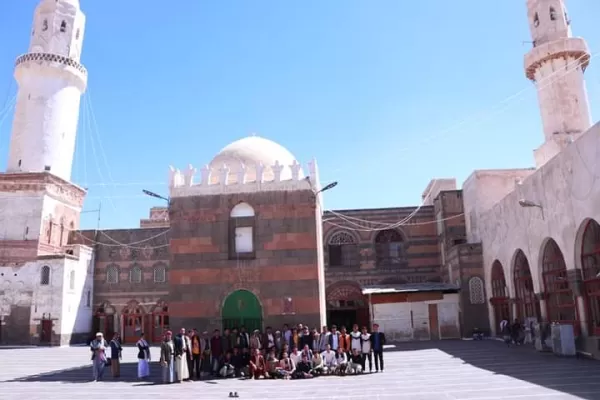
72,280
45,275
160,274
63,26
552,14
88,298
135,275
77,34
536,20
112,274
244,241
20,160
45,25
342,250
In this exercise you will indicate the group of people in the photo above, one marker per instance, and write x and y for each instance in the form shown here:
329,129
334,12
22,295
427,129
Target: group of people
100,358
291,353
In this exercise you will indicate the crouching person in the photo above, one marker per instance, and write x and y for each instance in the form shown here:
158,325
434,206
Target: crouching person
355,363
303,369
226,369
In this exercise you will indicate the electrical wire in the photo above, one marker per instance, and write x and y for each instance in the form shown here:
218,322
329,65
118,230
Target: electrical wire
433,221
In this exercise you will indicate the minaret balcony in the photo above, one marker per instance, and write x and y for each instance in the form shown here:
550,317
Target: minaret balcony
572,47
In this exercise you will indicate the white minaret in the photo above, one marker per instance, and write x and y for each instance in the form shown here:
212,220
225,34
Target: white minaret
51,81
556,64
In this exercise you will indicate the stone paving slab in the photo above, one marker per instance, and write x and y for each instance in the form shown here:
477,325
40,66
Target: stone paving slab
453,370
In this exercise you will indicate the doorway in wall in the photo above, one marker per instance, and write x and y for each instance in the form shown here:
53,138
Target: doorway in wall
46,333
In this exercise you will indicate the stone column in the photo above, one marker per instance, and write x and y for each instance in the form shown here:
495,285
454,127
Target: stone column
541,299
575,279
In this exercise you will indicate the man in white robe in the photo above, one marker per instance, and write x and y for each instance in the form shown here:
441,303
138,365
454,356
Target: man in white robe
182,348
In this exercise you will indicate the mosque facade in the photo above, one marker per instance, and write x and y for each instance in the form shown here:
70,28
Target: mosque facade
245,240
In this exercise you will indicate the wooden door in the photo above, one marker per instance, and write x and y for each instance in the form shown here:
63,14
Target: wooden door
46,333
433,322
132,327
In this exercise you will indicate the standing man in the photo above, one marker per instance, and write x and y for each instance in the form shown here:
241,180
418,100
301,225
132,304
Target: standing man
115,356
196,354
98,348
377,342
167,354
181,356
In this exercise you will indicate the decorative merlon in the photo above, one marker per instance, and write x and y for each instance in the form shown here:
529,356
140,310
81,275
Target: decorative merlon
240,178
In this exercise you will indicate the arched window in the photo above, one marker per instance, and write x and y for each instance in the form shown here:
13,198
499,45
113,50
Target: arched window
342,250
536,20
242,224
45,275
135,275
112,274
160,274
389,249
72,280
476,291
63,26
552,14
45,25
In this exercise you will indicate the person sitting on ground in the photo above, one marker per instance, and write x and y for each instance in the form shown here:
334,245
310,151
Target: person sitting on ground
237,361
246,361
317,364
257,365
287,367
303,369
272,363
329,360
226,369
355,363
341,362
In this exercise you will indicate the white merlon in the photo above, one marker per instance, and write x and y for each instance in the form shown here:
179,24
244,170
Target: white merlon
51,81
557,64
221,180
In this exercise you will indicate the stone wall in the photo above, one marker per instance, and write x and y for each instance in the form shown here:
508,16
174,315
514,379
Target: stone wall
419,259
284,264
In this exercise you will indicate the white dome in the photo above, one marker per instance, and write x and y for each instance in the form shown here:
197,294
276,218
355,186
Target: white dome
250,151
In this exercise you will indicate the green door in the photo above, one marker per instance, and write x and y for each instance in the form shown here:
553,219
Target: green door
242,308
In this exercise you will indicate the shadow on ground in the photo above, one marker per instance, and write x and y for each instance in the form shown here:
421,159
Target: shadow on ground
84,375
572,375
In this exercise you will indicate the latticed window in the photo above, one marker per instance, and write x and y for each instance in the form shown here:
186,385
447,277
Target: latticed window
160,274
476,290
45,275
590,260
135,275
525,296
112,274
389,248
560,301
342,250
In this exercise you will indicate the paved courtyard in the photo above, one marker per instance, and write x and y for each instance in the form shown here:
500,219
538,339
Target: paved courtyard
457,370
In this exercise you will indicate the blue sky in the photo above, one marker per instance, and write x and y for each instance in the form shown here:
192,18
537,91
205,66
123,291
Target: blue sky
386,94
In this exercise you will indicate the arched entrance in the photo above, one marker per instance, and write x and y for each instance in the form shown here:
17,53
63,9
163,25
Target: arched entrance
590,262
160,321
104,320
133,324
560,302
499,298
527,305
242,308
346,305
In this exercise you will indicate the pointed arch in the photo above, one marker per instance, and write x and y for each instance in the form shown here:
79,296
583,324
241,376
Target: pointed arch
527,304
134,321
590,270
135,274
499,299
560,300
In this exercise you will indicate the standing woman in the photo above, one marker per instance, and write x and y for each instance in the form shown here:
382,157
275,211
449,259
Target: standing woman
143,358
